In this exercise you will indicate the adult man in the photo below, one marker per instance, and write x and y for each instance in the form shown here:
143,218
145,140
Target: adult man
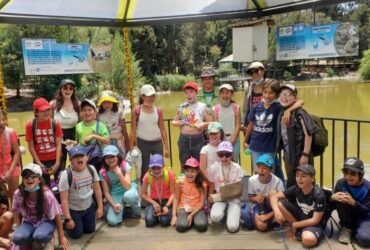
209,94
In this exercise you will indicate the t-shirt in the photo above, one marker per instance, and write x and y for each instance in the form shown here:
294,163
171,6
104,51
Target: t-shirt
113,121
115,185
6,149
159,187
263,138
192,113
147,126
190,194
67,119
45,146
211,152
256,187
315,201
81,190
29,214
83,130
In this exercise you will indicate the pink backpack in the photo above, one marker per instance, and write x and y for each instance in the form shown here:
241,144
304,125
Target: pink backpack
138,110
217,108
104,173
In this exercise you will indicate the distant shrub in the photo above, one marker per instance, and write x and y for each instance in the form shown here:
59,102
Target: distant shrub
364,70
330,71
173,81
287,76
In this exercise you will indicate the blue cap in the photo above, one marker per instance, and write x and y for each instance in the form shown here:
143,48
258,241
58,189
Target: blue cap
77,150
156,161
110,150
266,160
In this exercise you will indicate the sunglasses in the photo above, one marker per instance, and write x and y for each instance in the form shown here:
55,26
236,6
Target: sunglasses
224,154
30,176
253,71
68,87
348,172
285,95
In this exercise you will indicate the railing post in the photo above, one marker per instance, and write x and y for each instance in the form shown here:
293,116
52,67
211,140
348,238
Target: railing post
345,138
333,153
170,140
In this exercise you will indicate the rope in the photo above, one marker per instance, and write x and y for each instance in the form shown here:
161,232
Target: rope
2,93
128,68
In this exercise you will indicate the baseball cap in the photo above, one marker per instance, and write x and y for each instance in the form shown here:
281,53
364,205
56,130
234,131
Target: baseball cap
266,160
67,81
156,160
191,85
291,87
88,102
208,71
147,90
77,150
40,104
225,146
226,86
354,164
214,127
110,150
255,65
107,98
306,168
191,162
33,168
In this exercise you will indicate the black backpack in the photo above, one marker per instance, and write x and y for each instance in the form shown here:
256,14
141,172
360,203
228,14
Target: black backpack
69,174
320,139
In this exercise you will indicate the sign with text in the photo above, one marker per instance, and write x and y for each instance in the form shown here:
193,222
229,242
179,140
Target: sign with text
329,40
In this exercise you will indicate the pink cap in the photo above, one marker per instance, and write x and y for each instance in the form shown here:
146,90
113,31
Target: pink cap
192,162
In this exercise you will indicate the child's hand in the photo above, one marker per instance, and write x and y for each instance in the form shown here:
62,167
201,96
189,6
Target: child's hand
157,209
279,218
70,224
349,199
166,152
164,210
89,138
64,243
117,170
245,146
190,219
286,117
117,208
99,213
303,160
260,198
173,221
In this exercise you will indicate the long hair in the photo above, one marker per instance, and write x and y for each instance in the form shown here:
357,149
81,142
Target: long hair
114,108
4,198
198,180
59,101
39,199
105,165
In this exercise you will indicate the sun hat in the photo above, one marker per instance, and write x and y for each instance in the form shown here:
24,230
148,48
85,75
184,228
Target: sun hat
255,65
214,127
191,162
67,81
33,168
226,86
110,150
306,168
106,98
354,164
156,160
266,160
147,90
88,102
191,85
225,146
40,104
77,150
291,87
208,71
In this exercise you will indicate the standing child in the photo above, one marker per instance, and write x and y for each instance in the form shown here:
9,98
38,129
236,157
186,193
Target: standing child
352,201
260,187
162,186
39,211
117,186
113,118
44,137
190,195
192,118
77,186
222,173
147,127
303,206
227,112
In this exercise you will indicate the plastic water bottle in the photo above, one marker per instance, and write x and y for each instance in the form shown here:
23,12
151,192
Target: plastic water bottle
53,184
247,151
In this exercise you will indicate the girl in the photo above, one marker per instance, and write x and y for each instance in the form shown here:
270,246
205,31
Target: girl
6,219
192,118
224,172
66,108
113,118
227,112
117,186
39,210
162,185
10,156
147,127
190,195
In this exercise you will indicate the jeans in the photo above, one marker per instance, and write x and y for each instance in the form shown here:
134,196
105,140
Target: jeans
26,233
190,145
151,220
147,149
233,214
84,222
200,221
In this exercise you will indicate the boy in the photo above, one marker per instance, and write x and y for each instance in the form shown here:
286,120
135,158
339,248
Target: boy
76,186
260,188
44,138
296,137
352,201
303,206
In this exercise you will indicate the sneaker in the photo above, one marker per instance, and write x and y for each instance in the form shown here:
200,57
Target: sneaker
298,235
345,235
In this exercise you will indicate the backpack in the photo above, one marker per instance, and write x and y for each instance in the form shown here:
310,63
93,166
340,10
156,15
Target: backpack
218,107
104,173
138,110
320,138
34,126
94,152
69,174
165,174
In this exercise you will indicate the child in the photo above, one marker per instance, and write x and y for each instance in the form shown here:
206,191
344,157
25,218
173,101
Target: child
117,186
77,185
44,137
6,219
224,172
352,201
162,186
9,162
190,195
303,206
295,138
192,118
227,112
114,119
147,127
260,188
39,210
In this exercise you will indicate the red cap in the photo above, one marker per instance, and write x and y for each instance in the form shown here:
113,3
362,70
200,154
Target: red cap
40,104
191,85
192,162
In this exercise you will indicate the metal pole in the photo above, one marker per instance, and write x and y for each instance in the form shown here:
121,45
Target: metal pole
2,93
128,67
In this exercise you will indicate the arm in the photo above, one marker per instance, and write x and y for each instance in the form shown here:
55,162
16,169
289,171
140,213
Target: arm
146,197
99,199
170,199
65,208
107,194
211,189
58,145
175,204
176,121
199,207
99,138
274,202
15,160
62,239
125,135
164,136
203,165
31,148
316,219
307,144
237,127
248,133
133,130
288,112
125,179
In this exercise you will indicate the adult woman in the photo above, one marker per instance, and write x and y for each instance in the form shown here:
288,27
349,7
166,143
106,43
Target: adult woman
66,108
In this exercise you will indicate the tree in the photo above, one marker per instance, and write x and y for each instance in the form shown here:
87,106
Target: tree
364,70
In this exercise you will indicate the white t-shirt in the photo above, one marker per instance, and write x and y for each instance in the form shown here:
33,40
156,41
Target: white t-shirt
255,187
147,126
211,152
81,190
66,119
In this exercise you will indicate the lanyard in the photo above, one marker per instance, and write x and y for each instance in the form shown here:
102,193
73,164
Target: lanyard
160,194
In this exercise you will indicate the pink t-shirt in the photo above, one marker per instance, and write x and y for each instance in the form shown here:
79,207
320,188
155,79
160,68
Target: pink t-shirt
160,186
5,151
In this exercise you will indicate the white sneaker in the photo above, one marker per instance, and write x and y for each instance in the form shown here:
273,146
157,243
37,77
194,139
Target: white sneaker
345,235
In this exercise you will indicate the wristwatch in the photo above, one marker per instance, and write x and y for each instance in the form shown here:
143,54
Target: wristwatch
305,154
67,220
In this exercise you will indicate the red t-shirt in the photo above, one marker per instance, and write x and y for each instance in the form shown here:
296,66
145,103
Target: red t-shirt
45,146
163,188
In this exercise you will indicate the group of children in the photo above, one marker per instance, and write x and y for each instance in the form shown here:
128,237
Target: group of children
210,187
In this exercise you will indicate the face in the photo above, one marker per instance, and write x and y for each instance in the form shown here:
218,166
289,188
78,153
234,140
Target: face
286,98
157,171
111,160
67,91
190,95
30,179
191,173
263,172
208,83
107,106
303,179
225,157
225,94
148,100
214,137
268,95
88,113
44,115
351,177
79,162
256,74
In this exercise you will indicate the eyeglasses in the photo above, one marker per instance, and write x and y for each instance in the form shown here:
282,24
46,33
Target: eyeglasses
66,87
285,95
30,176
224,154
253,71
348,172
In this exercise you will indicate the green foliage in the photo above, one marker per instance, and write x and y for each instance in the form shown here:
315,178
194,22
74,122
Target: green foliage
287,76
330,71
364,70
174,81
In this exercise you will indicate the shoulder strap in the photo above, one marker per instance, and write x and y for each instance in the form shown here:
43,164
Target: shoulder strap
34,126
160,114
8,131
104,173
54,125
97,125
235,107
123,167
137,113
69,177
217,111
91,171
166,177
